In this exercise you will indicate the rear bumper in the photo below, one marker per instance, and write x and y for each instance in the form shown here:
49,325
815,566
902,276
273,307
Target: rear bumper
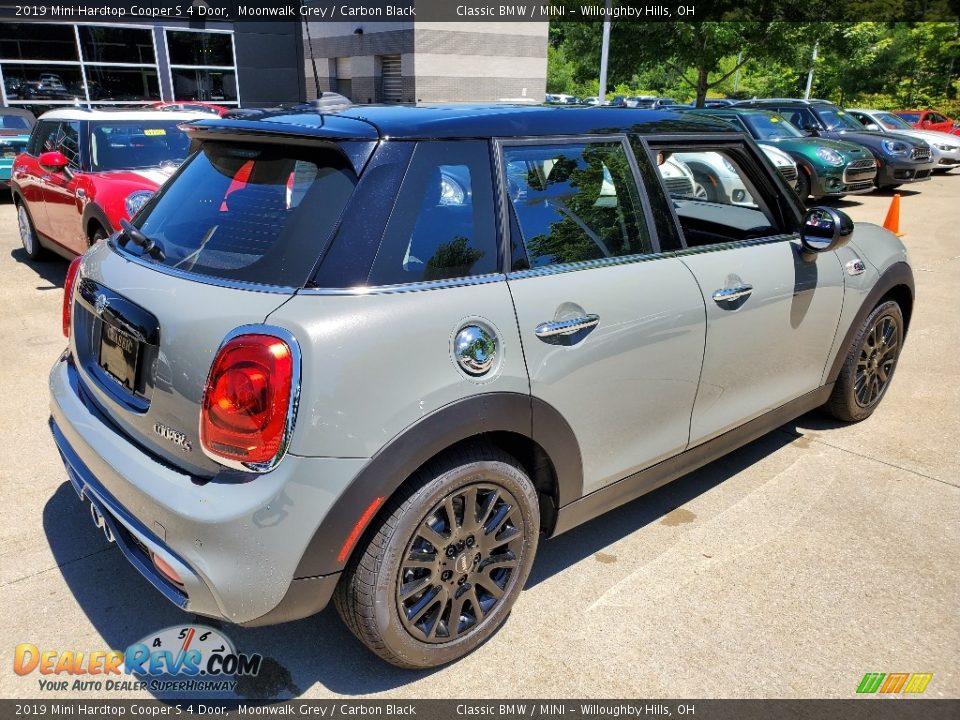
236,546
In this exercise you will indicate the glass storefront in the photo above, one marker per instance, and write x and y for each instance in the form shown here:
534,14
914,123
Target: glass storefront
44,65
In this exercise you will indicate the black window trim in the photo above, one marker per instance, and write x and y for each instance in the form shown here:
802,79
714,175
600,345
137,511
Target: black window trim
726,142
498,146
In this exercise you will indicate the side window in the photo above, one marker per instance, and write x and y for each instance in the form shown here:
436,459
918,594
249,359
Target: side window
443,223
68,142
713,196
44,138
801,117
573,202
936,118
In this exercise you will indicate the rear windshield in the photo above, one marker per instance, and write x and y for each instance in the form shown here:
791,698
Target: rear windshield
131,144
249,213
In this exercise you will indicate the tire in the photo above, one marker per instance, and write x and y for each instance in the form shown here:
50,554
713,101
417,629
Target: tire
869,366
29,239
388,596
705,189
98,234
803,185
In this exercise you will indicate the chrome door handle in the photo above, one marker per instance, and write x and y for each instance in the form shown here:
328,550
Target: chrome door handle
566,327
733,293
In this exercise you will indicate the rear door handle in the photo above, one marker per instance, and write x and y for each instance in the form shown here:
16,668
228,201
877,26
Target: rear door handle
732,293
566,327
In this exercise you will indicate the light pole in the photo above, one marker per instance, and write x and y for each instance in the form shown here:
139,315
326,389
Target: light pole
605,54
813,61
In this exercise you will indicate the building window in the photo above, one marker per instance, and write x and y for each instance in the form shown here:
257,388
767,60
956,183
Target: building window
205,85
202,66
127,46
391,78
200,48
37,41
45,65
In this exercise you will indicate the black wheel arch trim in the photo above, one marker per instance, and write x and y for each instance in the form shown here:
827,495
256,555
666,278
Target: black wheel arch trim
462,420
897,275
94,212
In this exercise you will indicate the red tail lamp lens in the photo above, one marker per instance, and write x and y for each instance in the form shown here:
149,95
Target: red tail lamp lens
68,284
247,399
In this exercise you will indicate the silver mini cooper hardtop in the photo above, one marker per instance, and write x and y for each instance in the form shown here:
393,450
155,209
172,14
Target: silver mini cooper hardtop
375,354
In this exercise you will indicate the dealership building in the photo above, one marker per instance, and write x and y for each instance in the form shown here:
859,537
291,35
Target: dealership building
251,63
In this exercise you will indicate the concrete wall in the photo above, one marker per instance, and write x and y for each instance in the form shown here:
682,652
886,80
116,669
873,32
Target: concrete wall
441,62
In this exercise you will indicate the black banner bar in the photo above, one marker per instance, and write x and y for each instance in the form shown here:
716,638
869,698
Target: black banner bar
873,708
98,11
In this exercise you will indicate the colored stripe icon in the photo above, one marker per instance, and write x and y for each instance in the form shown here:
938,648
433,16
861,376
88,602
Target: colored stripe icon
893,683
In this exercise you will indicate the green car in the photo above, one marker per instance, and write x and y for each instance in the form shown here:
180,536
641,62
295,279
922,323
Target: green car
827,167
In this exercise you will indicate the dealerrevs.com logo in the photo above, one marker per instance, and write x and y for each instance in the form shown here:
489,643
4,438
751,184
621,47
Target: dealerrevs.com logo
183,658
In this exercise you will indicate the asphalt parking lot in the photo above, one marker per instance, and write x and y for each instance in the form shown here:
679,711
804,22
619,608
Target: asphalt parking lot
787,569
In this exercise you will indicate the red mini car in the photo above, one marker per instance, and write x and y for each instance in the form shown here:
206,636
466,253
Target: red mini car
190,106
85,170
930,120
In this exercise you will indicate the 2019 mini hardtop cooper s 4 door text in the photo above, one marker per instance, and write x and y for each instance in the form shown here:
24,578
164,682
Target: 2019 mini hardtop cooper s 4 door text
375,355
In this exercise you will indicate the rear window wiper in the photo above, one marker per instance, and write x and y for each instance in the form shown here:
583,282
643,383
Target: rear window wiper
150,247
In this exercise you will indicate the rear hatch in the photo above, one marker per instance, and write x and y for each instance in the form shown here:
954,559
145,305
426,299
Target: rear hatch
237,231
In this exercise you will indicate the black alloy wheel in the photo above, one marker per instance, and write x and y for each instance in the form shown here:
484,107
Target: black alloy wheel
459,563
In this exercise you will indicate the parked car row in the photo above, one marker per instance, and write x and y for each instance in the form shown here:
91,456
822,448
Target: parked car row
842,152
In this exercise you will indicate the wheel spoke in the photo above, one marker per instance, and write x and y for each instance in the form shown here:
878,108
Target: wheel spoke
456,610
490,585
487,507
420,608
420,559
470,519
432,632
451,512
414,586
493,525
475,604
501,560
433,537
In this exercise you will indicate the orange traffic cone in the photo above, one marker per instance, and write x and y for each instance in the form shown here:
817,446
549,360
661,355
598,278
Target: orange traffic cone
892,223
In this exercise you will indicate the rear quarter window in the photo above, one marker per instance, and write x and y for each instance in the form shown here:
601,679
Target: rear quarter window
250,213
443,225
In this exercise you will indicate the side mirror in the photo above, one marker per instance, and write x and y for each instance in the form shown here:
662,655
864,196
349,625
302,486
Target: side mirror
54,160
825,229
872,126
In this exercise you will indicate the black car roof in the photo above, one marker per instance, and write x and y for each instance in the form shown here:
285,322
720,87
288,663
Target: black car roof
370,122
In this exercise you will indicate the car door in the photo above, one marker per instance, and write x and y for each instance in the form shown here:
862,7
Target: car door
28,174
771,312
612,331
64,212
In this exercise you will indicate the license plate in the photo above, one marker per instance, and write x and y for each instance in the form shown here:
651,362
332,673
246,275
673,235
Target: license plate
119,352
9,153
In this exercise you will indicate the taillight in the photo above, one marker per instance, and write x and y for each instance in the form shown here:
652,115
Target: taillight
68,284
249,401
